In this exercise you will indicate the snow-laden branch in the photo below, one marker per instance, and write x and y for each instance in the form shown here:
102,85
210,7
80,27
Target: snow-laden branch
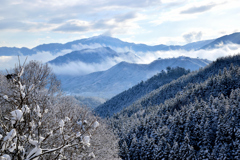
31,131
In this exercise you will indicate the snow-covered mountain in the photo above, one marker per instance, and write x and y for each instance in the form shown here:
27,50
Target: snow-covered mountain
123,76
196,45
86,55
106,41
93,42
115,44
232,38
12,51
90,56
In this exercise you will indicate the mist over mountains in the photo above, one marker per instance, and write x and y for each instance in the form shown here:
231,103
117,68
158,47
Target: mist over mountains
115,44
122,76
70,58
217,43
158,106
91,56
103,66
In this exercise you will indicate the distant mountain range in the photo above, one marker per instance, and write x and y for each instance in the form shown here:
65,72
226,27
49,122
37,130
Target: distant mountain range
125,71
106,41
14,51
122,76
196,45
232,38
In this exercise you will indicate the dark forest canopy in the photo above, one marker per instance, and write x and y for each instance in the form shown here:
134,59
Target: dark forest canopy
193,117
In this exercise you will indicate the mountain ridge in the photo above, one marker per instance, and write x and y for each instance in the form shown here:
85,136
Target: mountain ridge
122,100
108,42
158,96
231,38
122,76
97,56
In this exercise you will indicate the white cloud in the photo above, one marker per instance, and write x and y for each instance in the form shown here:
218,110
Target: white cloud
192,36
198,9
80,68
169,41
226,50
8,62
125,23
72,15
5,62
125,18
76,68
185,11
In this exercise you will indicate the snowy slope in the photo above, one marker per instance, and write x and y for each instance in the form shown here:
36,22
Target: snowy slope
232,38
89,56
86,55
196,45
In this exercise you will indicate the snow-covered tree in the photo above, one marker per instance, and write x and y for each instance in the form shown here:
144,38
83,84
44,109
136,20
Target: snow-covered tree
37,122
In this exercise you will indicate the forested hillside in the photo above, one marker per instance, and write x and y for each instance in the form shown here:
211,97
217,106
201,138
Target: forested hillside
90,102
169,90
126,98
200,130
193,117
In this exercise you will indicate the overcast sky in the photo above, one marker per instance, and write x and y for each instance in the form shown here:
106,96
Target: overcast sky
28,23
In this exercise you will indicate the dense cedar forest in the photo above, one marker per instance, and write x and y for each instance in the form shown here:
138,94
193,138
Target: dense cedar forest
195,116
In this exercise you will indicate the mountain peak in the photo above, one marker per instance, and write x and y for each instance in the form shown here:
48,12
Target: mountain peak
183,57
102,37
88,55
99,36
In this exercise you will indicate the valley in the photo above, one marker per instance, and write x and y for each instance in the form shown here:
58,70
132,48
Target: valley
169,108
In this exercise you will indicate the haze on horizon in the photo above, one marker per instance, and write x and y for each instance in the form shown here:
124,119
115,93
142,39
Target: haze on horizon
26,23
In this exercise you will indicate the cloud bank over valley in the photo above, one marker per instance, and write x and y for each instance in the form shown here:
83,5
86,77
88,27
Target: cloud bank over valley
80,67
